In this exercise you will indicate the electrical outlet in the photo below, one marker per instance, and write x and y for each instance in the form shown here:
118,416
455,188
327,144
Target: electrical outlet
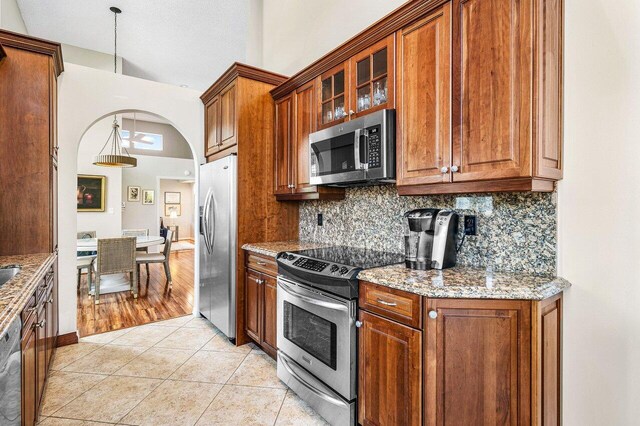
319,219
470,225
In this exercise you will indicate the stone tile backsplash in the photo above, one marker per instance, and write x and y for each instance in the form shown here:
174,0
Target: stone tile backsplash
516,231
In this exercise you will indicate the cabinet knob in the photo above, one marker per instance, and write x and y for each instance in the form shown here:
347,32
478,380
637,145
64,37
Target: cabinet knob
433,314
257,280
454,169
50,300
358,324
40,324
444,170
351,112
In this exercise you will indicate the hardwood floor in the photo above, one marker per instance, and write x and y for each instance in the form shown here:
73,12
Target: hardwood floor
154,303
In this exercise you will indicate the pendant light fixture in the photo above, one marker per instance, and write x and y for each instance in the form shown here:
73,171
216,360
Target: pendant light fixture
115,156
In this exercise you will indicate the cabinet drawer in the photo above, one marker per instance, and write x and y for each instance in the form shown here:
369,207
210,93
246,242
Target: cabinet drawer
29,310
261,263
398,305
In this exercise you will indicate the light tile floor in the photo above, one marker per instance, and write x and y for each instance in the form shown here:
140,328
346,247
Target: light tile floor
176,372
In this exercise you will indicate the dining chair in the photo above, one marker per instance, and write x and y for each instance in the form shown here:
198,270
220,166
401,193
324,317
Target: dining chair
163,258
138,233
85,258
116,256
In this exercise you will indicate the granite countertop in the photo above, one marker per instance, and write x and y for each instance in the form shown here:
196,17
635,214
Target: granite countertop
15,292
461,282
275,247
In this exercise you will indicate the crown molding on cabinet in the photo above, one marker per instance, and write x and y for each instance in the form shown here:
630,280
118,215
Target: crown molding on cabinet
33,44
241,70
386,26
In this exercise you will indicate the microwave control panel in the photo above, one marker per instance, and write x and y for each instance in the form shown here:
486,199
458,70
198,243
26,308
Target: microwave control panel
375,147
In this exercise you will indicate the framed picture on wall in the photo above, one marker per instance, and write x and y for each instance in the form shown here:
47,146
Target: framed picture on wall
133,193
172,197
169,208
90,193
148,196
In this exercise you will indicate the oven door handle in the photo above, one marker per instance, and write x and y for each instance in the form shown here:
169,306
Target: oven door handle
312,300
312,389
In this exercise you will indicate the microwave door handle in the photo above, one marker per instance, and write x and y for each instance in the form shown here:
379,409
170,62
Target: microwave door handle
364,141
356,149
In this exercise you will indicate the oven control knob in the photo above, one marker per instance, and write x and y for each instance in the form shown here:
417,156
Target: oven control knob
291,257
334,268
344,270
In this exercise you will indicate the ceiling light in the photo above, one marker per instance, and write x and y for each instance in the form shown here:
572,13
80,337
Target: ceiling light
115,157
184,85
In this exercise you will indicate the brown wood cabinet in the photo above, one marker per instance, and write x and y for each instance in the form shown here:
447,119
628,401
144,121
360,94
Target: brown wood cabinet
28,99
481,361
477,85
39,337
295,120
243,126
424,100
261,301
390,372
477,362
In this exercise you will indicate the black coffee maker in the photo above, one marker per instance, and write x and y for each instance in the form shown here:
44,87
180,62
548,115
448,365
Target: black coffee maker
430,239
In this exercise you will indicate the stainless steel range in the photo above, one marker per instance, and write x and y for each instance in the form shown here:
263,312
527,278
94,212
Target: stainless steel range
317,339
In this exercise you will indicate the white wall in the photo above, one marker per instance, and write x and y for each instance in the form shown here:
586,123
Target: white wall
86,95
106,224
599,205
140,216
187,204
90,58
296,33
11,18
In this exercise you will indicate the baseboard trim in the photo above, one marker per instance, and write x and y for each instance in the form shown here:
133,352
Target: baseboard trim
67,339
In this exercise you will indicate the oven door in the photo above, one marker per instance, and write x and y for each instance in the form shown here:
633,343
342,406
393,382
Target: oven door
335,154
317,331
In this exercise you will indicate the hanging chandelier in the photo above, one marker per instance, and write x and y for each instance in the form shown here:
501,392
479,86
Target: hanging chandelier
116,155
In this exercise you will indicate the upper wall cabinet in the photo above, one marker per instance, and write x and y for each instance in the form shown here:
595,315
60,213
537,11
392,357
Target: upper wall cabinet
372,78
220,121
506,106
477,85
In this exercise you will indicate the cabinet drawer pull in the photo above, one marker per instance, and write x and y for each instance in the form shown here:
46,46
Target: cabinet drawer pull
261,263
40,324
384,302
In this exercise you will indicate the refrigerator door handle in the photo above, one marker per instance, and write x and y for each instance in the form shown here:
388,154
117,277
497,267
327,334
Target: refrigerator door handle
205,219
212,205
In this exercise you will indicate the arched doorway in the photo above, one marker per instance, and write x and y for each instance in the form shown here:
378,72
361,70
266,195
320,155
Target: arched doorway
134,201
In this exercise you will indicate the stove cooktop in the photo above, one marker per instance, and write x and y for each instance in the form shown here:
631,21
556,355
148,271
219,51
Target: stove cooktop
333,269
352,256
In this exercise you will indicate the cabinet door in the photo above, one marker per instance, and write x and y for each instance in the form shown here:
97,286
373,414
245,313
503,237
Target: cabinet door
333,96
372,78
212,126
29,375
390,372
424,104
253,305
282,151
41,347
228,118
477,368
491,89
50,325
305,124
270,313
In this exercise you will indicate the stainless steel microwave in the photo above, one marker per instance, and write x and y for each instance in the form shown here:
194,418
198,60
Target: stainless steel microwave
357,152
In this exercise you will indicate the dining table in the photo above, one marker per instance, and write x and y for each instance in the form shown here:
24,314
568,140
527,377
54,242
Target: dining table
116,282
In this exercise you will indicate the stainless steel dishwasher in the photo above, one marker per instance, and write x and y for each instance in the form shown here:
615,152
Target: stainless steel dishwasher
10,375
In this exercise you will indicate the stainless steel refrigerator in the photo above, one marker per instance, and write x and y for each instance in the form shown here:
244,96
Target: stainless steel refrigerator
218,224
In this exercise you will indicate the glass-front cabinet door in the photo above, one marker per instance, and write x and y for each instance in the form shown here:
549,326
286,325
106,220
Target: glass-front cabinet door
333,96
372,78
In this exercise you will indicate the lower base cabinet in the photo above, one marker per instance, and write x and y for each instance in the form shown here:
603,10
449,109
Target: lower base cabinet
39,336
390,374
471,362
261,301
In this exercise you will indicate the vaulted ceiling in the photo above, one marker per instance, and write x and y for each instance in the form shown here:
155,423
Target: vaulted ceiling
180,42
